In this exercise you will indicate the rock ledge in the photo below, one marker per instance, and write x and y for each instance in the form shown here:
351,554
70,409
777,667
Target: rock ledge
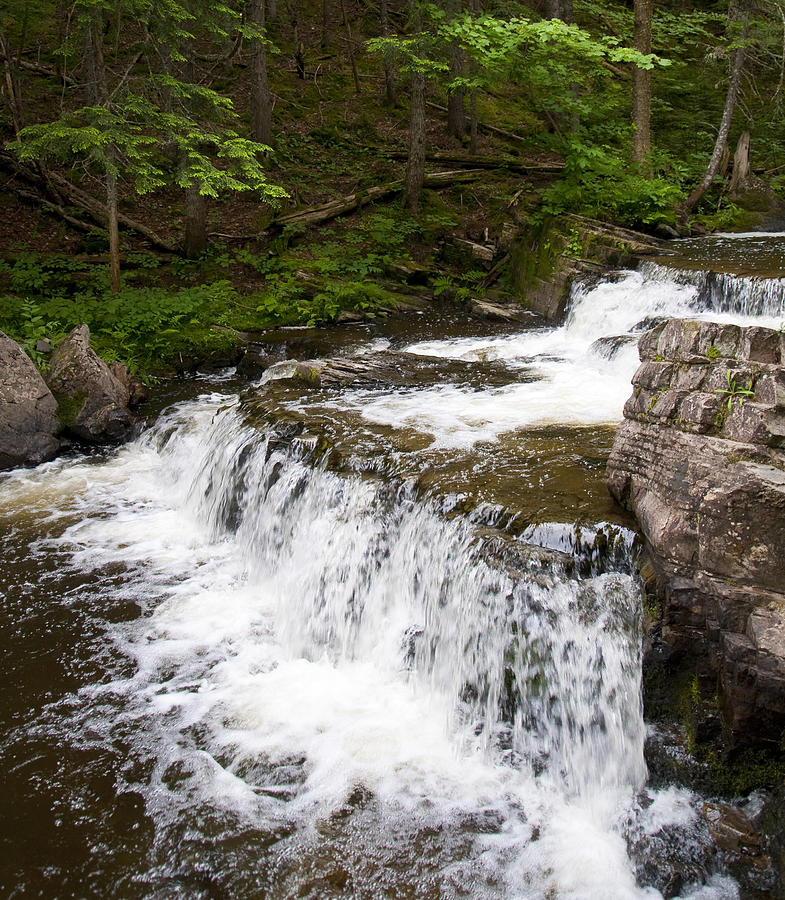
700,461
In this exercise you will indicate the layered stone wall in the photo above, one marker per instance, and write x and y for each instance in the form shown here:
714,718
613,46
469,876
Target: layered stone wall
700,461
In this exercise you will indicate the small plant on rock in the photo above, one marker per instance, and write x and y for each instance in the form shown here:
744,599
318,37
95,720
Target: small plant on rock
735,392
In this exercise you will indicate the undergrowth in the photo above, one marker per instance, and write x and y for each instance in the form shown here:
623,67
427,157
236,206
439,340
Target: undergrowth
166,311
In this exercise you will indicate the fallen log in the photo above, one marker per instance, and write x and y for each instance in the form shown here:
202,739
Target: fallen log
334,208
482,162
49,206
482,125
56,191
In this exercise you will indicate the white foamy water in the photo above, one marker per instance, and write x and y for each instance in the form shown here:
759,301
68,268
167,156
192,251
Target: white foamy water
306,636
331,689
577,374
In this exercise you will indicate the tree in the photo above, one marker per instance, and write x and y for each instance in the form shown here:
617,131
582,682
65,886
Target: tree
738,19
261,105
456,114
641,84
416,58
133,130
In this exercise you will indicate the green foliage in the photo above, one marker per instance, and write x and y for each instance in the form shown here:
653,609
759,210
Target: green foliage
751,771
600,182
145,327
127,140
734,392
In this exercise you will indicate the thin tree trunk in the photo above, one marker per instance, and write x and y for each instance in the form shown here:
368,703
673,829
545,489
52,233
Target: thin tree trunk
641,84
195,222
93,64
415,167
12,85
114,231
473,127
389,76
350,43
261,105
456,115
722,135
325,23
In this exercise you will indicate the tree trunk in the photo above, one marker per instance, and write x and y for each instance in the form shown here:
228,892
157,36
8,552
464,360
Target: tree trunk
741,164
389,76
325,23
195,222
12,84
641,84
473,128
415,168
722,135
456,116
326,212
94,68
350,43
114,231
261,106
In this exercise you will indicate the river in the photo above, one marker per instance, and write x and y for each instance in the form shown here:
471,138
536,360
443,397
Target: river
234,667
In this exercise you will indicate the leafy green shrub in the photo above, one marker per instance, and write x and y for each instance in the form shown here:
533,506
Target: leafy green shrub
598,182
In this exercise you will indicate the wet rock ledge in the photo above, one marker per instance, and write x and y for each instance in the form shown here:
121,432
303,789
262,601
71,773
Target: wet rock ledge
700,461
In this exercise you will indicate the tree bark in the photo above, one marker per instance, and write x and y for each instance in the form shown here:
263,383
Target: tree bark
350,44
261,105
327,211
114,231
415,167
325,23
473,127
456,115
195,222
741,164
722,135
641,84
93,65
12,87
389,75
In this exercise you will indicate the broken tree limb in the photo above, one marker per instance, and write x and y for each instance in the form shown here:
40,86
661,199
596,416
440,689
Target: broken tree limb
334,208
483,162
482,125
48,206
57,192
98,212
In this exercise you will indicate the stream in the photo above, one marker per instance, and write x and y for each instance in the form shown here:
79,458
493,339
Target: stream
375,641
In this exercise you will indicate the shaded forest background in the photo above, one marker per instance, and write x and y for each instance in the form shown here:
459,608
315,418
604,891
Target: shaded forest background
173,173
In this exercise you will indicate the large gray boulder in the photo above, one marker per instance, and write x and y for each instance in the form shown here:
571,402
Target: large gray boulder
93,403
28,411
700,460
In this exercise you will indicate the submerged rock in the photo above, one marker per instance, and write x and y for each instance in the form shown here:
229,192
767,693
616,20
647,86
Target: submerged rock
28,411
700,461
93,403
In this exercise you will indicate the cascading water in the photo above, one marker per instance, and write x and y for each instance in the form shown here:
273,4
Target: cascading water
309,683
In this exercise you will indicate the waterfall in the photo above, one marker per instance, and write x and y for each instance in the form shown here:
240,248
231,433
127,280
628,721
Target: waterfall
719,292
335,683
